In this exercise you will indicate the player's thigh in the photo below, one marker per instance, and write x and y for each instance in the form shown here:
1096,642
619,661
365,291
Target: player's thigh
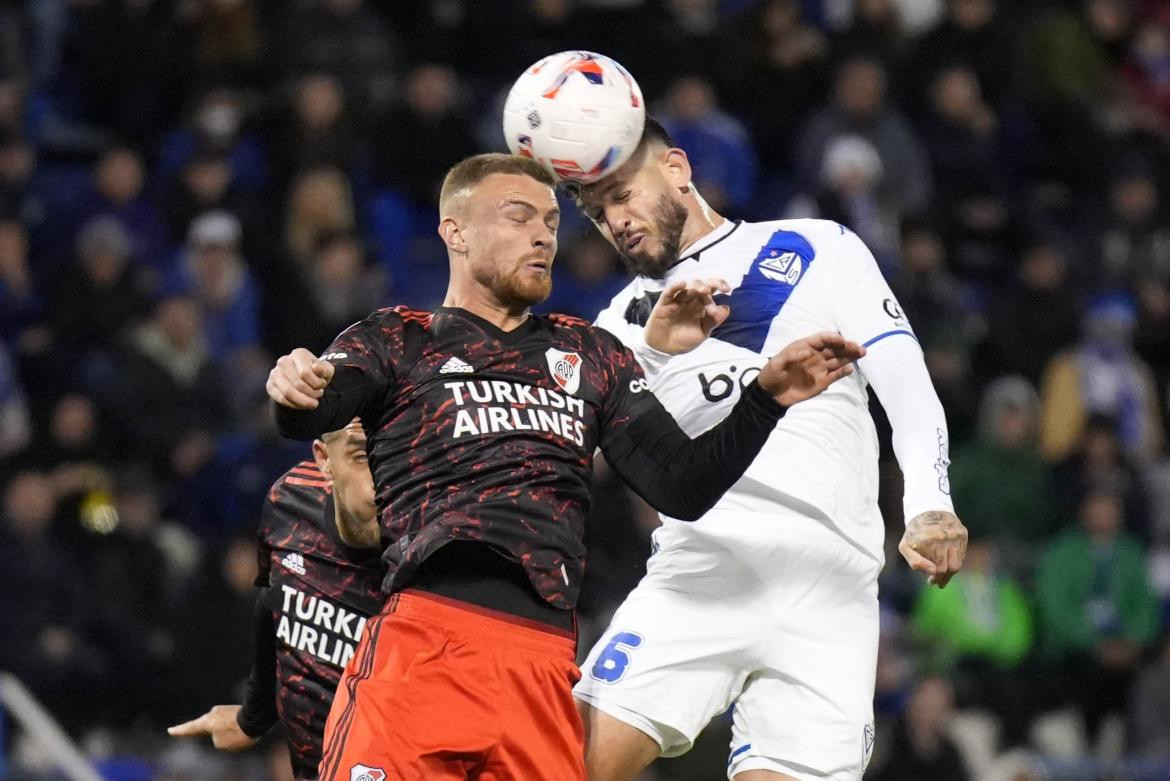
615,750
399,712
668,663
764,775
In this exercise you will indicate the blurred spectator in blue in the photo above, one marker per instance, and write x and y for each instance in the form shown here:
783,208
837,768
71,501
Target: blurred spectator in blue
342,285
1100,461
723,160
976,36
930,295
423,136
1134,233
315,129
860,107
223,41
21,304
347,38
15,421
1149,711
169,397
978,633
772,77
47,608
851,192
1102,375
118,191
207,184
1034,316
23,194
920,749
1000,479
586,276
683,39
100,295
216,126
875,30
961,134
1096,608
212,269
73,449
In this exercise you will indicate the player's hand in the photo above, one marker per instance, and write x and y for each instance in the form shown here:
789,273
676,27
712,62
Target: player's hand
298,380
220,723
935,542
685,315
808,366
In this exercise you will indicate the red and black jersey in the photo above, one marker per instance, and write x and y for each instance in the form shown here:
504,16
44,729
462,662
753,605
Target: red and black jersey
320,592
480,434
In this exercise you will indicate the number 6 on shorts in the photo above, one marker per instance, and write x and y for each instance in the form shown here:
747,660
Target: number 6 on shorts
611,664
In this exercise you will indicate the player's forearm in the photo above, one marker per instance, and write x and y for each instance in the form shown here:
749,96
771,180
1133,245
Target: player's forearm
683,477
342,400
258,713
896,371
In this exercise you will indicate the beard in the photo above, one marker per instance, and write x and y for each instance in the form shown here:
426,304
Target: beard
669,219
514,289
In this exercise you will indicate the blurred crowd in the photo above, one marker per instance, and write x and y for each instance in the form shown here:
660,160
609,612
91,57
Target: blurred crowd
189,188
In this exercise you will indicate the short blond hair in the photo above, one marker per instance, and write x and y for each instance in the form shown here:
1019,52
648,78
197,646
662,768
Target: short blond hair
472,170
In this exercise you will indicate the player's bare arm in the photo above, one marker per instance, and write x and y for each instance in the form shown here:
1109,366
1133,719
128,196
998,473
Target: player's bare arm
935,542
298,379
685,315
807,366
221,725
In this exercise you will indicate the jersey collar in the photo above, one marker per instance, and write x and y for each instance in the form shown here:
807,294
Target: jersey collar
707,241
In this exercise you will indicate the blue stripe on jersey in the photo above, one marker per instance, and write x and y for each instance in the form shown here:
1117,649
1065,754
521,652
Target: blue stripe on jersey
738,751
776,271
879,337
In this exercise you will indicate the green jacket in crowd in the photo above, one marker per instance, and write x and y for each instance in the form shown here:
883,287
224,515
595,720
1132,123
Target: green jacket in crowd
978,615
1087,593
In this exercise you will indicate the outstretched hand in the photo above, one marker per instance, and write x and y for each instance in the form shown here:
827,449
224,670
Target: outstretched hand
807,366
685,315
221,725
935,542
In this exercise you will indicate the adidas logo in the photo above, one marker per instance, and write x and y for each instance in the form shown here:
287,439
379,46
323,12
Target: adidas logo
294,562
456,366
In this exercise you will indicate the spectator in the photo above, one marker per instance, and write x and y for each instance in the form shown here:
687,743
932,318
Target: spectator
320,203
15,422
343,286
1034,317
979,633
223,41
206,184
217,127
875,31
929,294
1101,375
921,750
718,146
1135,237
21,305
119,182
1096,609
974,35
1000,480
317,130
860,107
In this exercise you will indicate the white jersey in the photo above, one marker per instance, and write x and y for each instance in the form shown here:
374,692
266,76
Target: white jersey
789,279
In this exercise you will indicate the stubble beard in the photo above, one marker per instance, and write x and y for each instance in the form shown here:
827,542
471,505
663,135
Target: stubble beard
670,217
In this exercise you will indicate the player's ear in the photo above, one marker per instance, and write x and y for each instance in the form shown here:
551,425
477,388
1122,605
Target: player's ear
451,232
677,168
321,456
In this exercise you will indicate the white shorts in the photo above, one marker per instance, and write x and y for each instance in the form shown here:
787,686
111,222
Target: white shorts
782,627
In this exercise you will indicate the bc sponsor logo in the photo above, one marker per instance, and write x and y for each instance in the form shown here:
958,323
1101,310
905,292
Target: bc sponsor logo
783,267
565,369
366,773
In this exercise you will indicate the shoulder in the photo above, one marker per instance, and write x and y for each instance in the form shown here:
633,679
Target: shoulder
580,335
294,503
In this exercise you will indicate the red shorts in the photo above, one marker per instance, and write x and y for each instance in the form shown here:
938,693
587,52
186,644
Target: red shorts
440,689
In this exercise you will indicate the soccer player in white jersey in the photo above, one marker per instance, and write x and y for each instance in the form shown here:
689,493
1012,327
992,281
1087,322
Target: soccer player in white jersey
769,602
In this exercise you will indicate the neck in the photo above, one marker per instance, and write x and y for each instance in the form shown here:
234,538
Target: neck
483,303
701,219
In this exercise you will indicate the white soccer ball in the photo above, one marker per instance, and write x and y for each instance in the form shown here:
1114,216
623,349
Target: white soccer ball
579,114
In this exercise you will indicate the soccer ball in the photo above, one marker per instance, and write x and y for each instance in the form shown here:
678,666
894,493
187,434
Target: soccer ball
579,114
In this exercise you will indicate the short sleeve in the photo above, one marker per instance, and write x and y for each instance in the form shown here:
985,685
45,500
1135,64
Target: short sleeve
865,310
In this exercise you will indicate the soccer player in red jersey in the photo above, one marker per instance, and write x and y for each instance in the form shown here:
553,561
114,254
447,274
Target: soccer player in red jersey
320,580
482,421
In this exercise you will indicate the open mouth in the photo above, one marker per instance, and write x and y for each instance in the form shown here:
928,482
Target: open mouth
634,242
538,265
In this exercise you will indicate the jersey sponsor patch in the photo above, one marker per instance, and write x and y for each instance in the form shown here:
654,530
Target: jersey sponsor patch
783,267
565,369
